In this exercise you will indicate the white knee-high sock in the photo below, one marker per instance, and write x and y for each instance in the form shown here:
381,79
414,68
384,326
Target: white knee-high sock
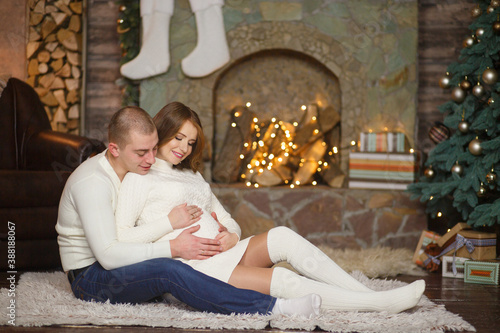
285,244
154,56
211,51
287,284
307,306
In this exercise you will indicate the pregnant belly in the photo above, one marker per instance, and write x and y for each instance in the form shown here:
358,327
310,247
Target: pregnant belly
208,226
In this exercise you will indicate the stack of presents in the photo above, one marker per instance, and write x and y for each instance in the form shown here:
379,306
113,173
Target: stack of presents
460,253
383,161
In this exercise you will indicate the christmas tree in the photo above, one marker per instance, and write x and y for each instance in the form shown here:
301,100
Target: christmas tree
461,171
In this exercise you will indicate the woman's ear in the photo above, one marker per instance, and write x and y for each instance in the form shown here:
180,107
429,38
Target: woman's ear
114,149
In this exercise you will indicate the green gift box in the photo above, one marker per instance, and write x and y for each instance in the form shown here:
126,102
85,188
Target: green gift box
483,272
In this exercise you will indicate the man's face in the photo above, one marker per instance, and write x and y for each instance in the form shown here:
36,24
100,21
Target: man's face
139,154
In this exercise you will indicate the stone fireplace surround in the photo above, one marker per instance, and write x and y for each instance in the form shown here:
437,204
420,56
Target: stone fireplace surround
343,218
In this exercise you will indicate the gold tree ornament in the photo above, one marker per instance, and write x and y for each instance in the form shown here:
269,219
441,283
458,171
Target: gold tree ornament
482,190
496,27
429,172
463,126
458,95
465,84
478,90
444,81
491,177
479,32
468,41
457,169
490,76
476,11
475,147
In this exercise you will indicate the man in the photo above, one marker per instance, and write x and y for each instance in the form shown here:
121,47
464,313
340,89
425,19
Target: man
101,268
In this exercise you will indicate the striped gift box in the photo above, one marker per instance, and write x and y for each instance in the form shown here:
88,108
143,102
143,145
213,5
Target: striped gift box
381,170
383,142
484,271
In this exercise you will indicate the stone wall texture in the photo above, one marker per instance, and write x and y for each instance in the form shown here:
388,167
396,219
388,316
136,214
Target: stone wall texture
336,218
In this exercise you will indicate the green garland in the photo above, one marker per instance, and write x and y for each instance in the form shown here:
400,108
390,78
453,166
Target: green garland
128,27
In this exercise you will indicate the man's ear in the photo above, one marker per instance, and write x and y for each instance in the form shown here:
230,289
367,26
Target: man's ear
114,149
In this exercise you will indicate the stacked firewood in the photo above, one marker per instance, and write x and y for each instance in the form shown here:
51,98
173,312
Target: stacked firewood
54,53
271,152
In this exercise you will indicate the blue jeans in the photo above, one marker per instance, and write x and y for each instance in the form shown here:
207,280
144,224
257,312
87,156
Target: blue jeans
149,279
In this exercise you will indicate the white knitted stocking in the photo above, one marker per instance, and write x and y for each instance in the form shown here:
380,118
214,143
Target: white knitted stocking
211,51
287,284
286,245
154,56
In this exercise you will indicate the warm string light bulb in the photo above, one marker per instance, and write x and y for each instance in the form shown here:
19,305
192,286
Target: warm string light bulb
267,153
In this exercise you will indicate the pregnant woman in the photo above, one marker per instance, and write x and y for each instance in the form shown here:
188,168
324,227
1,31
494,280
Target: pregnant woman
145,203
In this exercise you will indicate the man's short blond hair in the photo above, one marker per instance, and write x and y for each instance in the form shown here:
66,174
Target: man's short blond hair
126,120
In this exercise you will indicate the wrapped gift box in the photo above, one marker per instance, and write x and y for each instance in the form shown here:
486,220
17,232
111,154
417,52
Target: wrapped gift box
426,238
484,271
452,234
446,245
393,142
477,245
382,170
453,267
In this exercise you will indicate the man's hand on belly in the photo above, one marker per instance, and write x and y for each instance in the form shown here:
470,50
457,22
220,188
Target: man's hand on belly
188,246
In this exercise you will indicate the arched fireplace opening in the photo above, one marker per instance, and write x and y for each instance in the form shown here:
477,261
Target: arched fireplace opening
276,121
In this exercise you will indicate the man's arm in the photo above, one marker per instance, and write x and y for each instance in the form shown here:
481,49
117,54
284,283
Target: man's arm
134,193
93,200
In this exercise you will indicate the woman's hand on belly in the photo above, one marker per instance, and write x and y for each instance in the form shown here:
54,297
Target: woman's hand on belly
227,240
183,216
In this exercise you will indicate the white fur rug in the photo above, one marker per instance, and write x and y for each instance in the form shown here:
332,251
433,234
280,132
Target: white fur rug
375,262
44,299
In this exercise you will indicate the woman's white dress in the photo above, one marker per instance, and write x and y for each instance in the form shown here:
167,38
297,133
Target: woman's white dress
145,201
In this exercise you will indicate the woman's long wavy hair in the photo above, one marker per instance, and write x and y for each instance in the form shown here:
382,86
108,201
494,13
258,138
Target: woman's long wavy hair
169,122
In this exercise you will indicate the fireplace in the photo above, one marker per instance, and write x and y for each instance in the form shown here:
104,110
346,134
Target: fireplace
277,121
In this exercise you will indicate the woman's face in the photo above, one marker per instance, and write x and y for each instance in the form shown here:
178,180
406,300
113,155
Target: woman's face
177,149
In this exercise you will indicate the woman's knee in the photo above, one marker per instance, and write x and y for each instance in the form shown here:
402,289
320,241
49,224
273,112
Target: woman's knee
282,233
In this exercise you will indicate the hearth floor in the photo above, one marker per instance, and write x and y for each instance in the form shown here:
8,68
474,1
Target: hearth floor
477,304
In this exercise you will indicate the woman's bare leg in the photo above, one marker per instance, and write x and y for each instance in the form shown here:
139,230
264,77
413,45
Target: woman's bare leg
254,278
257,254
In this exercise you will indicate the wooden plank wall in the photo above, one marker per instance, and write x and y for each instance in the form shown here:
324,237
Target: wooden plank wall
443,24
103,96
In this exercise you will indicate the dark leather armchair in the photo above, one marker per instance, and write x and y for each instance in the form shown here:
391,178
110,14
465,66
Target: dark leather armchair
35,163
